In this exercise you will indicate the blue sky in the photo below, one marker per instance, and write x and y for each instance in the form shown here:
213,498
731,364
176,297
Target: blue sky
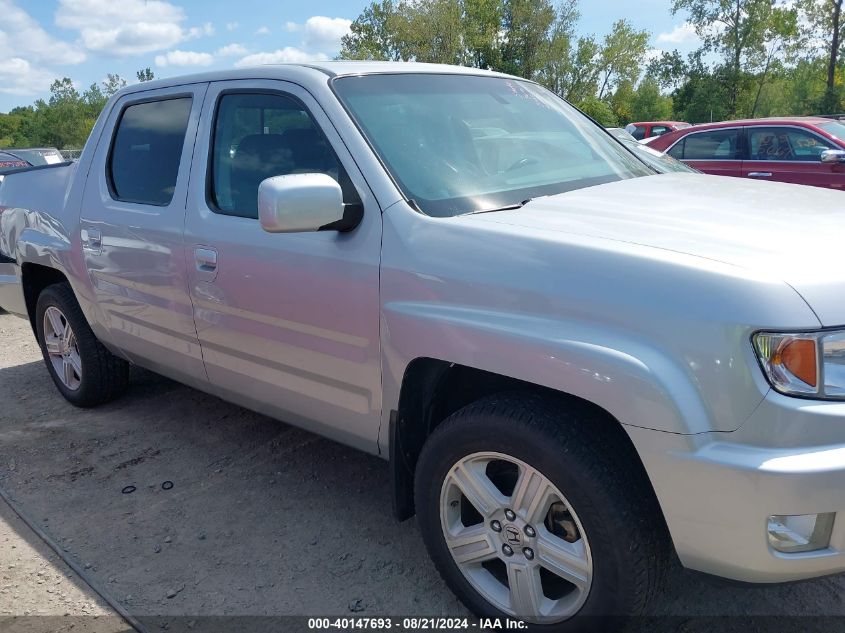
85,39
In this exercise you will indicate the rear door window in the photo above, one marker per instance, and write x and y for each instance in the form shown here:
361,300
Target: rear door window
710,145
146,151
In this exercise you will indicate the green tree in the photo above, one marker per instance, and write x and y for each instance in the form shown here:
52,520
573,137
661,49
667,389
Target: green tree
376,34
649,104
570,68
701,93
621,56
482,20
145,74
622,102
781,42
736,29
526,26
599,110
824,21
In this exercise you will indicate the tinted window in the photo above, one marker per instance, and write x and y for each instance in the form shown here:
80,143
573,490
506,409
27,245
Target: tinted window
711,145
660,130
677,150
786,144
258,136
146,151
461,143
639,132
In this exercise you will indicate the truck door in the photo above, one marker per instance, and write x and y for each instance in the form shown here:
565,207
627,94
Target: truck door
133,213
288,323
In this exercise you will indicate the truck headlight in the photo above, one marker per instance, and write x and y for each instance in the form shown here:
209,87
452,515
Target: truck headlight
806,364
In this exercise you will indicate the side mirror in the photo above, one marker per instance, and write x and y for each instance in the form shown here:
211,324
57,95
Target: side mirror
833,156
298,203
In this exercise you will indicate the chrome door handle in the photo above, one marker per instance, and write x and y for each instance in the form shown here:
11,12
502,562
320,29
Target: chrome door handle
759,174
206,259
92,240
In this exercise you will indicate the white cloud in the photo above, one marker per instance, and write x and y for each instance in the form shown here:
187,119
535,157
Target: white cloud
232,50
19,77
198,31
21,35
286,54
262,31
127,27
231,26
321,33
184,58
681,34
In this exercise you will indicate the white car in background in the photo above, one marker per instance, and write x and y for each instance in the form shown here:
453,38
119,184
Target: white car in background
38,155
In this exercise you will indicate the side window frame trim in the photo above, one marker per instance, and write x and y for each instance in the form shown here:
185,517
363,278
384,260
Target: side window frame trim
110,155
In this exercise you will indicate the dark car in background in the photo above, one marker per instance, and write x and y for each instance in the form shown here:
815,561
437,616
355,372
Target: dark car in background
799,150
8,162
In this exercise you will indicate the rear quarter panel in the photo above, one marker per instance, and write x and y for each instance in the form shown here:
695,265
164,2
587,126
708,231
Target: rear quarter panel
39,222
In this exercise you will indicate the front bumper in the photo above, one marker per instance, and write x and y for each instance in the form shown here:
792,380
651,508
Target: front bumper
717,490
11,291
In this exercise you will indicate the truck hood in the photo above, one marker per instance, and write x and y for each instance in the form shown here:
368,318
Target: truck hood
791,232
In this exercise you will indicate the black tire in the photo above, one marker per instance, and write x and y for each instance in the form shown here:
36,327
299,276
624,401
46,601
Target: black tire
104,375
592,465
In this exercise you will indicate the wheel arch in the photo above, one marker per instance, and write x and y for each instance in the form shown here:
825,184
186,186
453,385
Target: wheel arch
433,389
34,279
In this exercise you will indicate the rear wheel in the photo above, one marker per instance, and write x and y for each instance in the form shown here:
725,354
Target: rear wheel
84,371
527,515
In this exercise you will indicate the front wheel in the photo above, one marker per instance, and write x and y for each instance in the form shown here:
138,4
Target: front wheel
528,514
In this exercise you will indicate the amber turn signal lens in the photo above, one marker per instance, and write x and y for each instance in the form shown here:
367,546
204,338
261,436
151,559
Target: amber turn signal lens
799,357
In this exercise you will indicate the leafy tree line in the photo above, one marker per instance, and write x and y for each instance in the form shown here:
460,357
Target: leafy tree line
65,119
757,58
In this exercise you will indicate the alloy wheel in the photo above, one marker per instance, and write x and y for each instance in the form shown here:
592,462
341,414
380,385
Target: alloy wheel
62,348
515,537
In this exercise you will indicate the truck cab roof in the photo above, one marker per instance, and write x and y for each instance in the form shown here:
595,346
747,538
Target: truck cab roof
316,69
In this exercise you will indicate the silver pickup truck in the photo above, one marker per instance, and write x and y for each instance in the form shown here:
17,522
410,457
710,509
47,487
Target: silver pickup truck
577,368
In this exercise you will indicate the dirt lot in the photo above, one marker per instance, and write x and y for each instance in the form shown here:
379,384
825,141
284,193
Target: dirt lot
262,519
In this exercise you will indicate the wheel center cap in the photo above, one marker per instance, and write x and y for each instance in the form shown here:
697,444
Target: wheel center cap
512,535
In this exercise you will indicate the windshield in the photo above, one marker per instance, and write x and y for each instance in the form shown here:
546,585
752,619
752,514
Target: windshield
835,128
461,143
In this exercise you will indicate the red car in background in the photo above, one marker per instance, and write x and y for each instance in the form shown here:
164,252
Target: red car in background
642,131
800,150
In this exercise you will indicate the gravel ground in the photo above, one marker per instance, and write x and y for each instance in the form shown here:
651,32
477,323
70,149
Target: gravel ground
263,519
38,590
